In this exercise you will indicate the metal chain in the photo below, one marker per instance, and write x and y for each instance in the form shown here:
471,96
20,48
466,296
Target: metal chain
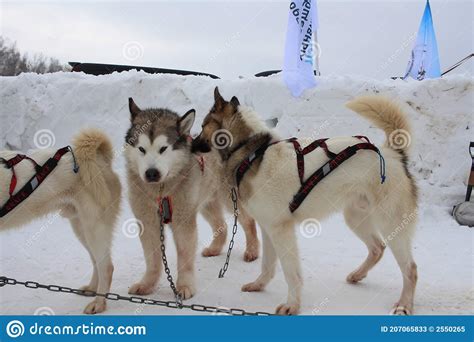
234,231
177,295
176,304
133,299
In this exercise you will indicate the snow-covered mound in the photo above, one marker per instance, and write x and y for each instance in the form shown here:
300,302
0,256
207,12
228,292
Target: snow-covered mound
441,111
40,110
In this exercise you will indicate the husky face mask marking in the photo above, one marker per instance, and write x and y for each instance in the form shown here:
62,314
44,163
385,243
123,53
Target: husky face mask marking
157,142
219,117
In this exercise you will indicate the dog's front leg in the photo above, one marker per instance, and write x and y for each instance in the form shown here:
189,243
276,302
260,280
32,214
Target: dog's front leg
284,242
185,238
150,239
269,260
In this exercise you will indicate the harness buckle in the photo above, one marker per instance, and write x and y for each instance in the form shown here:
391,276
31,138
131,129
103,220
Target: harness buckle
166,210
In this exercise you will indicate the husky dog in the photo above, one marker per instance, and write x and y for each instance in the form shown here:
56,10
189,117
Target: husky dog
90,200
160,163
372,210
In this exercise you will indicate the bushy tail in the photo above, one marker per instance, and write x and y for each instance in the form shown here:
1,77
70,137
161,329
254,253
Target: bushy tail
93,152
386,115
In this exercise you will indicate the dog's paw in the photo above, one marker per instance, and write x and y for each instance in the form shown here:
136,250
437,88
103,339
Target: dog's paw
141,289
186,291
251,254
211,251
98,305
355,277
287,309
253,287
400,310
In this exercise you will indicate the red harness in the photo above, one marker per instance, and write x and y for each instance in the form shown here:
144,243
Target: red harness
335,159
42,171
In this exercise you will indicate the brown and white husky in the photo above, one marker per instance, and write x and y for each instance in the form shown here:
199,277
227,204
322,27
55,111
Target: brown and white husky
373,211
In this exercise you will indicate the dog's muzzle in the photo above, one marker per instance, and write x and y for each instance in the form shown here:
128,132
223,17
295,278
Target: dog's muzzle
152,175
199,145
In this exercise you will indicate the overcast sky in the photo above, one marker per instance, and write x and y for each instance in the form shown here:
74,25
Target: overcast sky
231,38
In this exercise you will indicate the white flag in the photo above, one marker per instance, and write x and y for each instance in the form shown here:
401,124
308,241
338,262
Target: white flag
300,48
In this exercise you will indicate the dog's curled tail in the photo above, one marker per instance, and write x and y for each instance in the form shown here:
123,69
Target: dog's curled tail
93,152
387,115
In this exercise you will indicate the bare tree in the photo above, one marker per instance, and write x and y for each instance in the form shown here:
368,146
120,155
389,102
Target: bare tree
13,63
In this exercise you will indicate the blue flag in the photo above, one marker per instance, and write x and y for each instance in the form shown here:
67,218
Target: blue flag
300,48
424,61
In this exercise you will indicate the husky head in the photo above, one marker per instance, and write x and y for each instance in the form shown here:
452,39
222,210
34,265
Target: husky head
217,125
157,143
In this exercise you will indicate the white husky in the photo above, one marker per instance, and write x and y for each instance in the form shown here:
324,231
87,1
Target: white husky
372,210
90,200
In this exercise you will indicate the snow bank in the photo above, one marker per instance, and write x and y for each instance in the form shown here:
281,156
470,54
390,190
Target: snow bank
441,111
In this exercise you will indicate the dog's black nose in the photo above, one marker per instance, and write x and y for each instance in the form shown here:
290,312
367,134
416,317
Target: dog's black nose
200,145
152,175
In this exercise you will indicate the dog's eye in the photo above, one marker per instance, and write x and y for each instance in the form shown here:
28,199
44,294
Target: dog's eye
163,149
142,150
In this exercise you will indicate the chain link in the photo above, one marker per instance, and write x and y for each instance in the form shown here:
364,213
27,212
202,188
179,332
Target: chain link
176,304
177,295
132,299
234,231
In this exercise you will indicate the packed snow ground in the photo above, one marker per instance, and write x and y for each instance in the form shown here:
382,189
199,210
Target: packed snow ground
442,115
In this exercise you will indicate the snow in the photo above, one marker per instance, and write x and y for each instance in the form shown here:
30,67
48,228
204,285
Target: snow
441,112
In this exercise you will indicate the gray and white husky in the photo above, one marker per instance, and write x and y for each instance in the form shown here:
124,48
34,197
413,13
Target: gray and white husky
160,163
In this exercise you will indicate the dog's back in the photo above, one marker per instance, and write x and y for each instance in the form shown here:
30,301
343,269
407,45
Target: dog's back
62,188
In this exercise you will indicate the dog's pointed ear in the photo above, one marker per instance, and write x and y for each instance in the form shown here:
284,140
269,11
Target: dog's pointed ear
234,101
134,110
185,123
219,101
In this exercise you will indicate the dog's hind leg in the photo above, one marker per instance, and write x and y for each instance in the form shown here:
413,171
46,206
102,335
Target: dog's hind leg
94,282
361,224
214,215
269,260
400,245
99,240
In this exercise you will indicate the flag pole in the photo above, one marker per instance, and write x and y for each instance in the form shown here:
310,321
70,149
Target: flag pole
317,71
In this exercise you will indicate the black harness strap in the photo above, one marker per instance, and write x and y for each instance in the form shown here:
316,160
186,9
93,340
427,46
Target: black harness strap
327,168
335,159
247,162
41,173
